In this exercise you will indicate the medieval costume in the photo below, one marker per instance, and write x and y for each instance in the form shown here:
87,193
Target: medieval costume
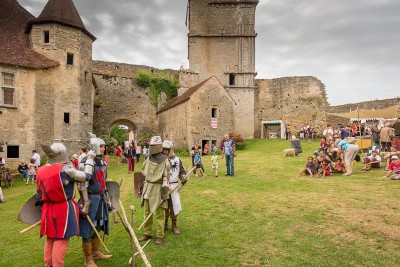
60,213
97,204
155,189
177,172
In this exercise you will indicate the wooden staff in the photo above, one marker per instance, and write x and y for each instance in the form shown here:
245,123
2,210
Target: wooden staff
97,233
169,193
128,227
30,227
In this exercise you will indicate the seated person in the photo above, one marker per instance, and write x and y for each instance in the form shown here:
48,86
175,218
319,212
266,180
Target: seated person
372,161
2,160
23,169
310,167
332,152
325,168
394,166
339,166
388,156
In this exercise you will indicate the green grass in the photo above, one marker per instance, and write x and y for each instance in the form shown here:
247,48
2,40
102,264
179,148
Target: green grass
263,216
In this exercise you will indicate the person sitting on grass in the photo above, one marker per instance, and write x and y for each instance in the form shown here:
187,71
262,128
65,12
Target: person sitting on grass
372,161
338,167
310,167
388,157
325,168
394,166
199,165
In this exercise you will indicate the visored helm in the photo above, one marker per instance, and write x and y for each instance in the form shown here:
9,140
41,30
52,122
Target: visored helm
155,145
95,144
57,153
168,144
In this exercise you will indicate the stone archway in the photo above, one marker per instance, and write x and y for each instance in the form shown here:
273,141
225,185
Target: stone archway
132,128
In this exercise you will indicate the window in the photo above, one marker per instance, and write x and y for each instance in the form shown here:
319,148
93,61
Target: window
66,117
70,59
231,79
46,37
214,112
12,152
7,89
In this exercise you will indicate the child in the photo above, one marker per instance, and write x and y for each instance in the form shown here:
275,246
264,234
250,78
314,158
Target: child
31,171
310,167
325,169
338,166
373,161
74,161
199,165
214,159
118,154
394,166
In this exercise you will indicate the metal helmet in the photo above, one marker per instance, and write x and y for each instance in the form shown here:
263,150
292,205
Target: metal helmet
57,153
155,145
95,144
168,144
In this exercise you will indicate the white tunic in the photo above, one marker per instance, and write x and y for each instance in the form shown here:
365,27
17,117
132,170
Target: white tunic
173,183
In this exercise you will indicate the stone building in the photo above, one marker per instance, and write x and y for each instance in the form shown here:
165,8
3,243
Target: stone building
46,77
202,113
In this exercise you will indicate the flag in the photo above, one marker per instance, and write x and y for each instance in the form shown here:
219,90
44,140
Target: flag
214,123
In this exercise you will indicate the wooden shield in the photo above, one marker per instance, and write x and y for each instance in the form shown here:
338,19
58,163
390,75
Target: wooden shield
114,193
138,183
30,213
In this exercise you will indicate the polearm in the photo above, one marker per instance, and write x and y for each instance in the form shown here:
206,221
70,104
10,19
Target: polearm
124,220
30,227
169,193
96,232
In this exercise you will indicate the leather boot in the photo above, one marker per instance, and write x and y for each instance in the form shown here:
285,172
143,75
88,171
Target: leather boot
175,229
96,253
87,251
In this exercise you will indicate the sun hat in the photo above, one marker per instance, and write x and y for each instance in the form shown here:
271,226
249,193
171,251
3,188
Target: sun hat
395,157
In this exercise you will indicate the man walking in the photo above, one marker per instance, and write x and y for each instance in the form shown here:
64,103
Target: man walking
229,150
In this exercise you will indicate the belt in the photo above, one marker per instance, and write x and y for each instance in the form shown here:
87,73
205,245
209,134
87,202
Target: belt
160,182
94,193
173,182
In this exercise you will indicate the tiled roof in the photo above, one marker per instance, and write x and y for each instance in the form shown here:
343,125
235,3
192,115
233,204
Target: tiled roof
15,49
183,98
63,12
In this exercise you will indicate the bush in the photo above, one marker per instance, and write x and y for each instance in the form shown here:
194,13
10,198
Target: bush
145,140
182,152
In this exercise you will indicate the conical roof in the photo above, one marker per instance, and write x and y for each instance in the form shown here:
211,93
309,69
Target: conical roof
63,12
15,49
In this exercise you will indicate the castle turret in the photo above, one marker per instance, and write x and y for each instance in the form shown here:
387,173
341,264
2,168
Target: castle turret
64,96
222,43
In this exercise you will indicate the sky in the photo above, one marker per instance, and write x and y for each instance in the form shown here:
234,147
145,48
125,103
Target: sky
353,47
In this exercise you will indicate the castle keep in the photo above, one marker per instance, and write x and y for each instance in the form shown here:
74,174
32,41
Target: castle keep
52,90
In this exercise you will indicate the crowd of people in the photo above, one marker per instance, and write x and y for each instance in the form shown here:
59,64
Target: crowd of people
338,150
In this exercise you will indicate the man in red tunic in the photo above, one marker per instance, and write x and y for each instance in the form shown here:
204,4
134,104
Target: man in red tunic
60,213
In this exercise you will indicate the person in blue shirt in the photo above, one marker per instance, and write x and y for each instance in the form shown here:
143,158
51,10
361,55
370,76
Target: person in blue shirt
229,150
350,151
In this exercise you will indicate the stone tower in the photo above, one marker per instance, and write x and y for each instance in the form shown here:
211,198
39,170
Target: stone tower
221,42
64,95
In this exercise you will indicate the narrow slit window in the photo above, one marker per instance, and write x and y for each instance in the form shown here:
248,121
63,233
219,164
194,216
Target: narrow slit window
70,59
66,118
46,37
231,79
214,112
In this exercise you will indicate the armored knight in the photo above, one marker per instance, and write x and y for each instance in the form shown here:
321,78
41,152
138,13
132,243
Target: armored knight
60,213
177,172
155,189
96,175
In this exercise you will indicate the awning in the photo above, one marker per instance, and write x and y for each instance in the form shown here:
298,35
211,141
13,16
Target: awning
386,113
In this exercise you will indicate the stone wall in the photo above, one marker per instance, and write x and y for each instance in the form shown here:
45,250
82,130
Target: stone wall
297,101
119,98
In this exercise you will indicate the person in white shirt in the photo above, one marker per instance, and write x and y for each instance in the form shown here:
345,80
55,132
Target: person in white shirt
36,157
373,161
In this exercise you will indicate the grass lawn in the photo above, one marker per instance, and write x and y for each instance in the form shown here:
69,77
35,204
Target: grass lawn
263,216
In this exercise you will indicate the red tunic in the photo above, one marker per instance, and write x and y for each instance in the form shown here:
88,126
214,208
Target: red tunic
57,205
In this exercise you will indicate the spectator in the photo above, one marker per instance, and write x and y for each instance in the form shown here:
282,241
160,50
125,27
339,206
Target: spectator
338,166
130,155
126,146
350,152
23,169
229,150
387,133
118,154
205,149
138,151
36,157
394,166
375,133
310,167
145,152
388,156
2,160
82,154
75,161
396,127
372,161
32,166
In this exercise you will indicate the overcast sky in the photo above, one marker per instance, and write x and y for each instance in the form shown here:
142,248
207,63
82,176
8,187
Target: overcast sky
353,47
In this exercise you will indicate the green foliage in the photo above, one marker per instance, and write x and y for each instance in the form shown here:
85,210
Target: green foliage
145,140
240,143
110,145
119,133
158,82
97,103
184,152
